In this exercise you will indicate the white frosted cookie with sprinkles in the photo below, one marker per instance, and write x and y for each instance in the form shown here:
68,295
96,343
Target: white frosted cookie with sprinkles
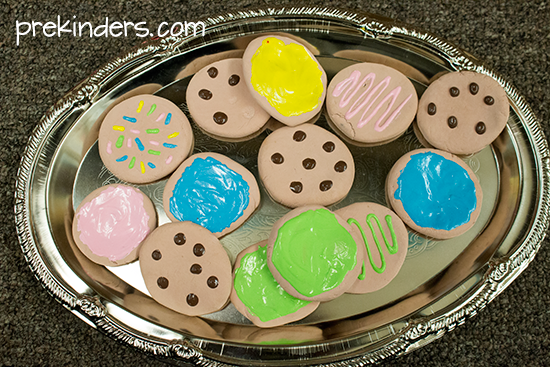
144,138
385,242
371,104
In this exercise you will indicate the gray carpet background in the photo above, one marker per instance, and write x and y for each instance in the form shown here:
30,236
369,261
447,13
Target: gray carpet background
512,37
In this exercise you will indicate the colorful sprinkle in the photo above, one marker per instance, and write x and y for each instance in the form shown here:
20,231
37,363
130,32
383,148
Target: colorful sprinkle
142,167
153,152
140,106
151,165
140,145
168,118
131,165
153,142
119,128
168,160
131,119
152,109
119,141
173,135
129,142
152,131
134,131
109,150
161,116
122,159
166,145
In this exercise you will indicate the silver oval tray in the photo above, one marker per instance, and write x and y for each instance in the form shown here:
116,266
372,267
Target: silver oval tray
441,284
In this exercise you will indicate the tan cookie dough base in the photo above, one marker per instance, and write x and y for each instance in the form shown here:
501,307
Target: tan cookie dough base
373,280
311,158
186,269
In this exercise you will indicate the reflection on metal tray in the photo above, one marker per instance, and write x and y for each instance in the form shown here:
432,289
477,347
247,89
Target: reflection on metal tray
441,284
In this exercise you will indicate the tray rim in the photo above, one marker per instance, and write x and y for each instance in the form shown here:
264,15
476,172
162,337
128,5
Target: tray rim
420,330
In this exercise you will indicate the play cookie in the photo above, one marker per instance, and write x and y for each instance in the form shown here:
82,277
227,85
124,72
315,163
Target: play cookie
462,112
186,268
434,192
144,139
213,191
385,242
220,103
257,295
313,254
111,223
305,165
285,78
371,103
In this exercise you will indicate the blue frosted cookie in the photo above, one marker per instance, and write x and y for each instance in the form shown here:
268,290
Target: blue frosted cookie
213,191
434,192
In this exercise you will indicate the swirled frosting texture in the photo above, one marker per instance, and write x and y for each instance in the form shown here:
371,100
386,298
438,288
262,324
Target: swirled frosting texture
314,252
260,292
436,192
287,76
114,223
210,194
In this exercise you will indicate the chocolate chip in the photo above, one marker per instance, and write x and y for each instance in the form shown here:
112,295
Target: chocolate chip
205,94
452,122
480,128
454,91
325,185
162,282
192,299
156,255
196,269
212,72
234,80
309,163
474,88
329,147
198,250
299,136
220,118
432,109
277,158
340,166
213,282
179,239
296,187
489,101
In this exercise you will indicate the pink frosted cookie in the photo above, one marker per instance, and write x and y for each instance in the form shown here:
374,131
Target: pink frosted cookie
111,223
257,295
186,269
220,103
144,139
305,165
285,78
371,103
385,242
313,254
463,112
213,191
434,192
